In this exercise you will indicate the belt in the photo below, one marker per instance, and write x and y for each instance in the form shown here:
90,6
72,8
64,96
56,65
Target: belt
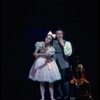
58,52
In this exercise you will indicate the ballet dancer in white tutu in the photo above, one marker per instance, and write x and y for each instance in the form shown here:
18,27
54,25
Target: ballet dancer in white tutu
44,68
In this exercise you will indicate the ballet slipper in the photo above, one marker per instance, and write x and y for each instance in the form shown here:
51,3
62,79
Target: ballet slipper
42,99
52,98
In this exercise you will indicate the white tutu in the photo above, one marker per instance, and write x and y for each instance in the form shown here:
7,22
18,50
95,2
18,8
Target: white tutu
44,71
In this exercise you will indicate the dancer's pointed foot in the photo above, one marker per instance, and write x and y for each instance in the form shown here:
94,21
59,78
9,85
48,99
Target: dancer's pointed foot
52,98
42,99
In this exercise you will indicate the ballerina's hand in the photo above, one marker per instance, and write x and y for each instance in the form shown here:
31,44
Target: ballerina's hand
47,54
35,55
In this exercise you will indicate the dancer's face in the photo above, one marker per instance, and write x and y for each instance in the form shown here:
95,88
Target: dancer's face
48,39
59,34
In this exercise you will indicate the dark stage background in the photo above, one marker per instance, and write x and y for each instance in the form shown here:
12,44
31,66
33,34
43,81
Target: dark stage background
25,22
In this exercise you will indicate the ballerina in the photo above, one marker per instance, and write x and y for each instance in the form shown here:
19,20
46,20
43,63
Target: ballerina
45,69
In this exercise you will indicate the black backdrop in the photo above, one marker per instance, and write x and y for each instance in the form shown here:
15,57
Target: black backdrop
25,22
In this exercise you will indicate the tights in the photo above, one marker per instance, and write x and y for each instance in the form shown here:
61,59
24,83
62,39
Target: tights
42,90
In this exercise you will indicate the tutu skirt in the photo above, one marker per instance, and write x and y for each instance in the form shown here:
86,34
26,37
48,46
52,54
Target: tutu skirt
44,70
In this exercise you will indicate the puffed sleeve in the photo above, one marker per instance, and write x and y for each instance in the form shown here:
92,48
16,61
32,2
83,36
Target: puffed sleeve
67,49
52,51
38,44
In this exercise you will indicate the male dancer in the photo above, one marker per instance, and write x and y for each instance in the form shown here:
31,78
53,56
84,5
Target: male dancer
63,50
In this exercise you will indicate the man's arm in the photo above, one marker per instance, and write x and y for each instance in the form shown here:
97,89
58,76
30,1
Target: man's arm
68,49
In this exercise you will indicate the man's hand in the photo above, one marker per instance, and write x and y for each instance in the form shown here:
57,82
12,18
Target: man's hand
61,42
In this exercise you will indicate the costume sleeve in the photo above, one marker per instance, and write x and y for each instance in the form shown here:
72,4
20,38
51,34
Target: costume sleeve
38,44
67,49
52,51
73,77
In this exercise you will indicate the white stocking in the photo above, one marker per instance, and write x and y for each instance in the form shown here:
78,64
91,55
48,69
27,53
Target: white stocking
51,90
42,89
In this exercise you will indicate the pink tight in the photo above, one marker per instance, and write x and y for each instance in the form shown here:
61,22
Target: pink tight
42,90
